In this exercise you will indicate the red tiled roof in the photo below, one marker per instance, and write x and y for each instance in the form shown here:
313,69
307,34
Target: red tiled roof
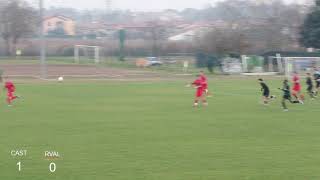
58,16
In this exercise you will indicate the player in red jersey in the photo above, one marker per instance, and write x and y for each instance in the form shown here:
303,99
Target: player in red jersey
205,84
10,87
200,85
296,90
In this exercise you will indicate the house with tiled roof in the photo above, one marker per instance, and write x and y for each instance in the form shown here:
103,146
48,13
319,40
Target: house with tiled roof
59,23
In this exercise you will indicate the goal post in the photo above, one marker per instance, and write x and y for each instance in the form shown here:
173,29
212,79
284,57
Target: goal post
85,53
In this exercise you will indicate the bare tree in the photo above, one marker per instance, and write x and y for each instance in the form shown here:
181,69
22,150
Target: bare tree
224,41
157,35
17,20
254,27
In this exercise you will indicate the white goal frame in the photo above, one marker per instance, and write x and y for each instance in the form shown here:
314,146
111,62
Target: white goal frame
77,53
290,67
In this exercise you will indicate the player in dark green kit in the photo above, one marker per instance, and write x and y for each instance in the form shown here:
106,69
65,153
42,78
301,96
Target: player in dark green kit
265,92
310,86
317,80
286,95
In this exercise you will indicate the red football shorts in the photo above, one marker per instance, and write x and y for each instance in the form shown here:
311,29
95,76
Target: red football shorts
200,92
297,88
10,94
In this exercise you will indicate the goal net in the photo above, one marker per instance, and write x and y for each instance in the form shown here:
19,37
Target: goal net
302,65
84,54
252,64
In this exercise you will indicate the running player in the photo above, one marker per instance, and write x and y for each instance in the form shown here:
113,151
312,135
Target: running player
296,90
265,92
316,76
10,87
286,95
309,83
205,84
199,85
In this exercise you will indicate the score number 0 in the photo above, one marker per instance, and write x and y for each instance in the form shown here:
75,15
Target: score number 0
52,167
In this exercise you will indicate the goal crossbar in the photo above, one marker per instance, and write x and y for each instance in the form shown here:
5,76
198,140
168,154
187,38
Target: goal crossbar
96,52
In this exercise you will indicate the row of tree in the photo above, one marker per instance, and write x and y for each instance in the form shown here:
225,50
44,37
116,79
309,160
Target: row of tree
258,28
251,27
17,20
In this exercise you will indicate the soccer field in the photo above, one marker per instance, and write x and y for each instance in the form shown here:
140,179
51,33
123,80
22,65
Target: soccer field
149,131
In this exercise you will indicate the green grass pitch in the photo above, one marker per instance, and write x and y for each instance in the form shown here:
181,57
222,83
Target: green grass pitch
149,131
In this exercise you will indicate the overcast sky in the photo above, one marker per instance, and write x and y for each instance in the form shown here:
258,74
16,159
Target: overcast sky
148,5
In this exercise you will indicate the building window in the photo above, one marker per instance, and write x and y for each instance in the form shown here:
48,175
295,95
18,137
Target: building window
60,24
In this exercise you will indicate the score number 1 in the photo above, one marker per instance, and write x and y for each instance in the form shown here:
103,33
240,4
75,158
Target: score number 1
52,167
19,165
